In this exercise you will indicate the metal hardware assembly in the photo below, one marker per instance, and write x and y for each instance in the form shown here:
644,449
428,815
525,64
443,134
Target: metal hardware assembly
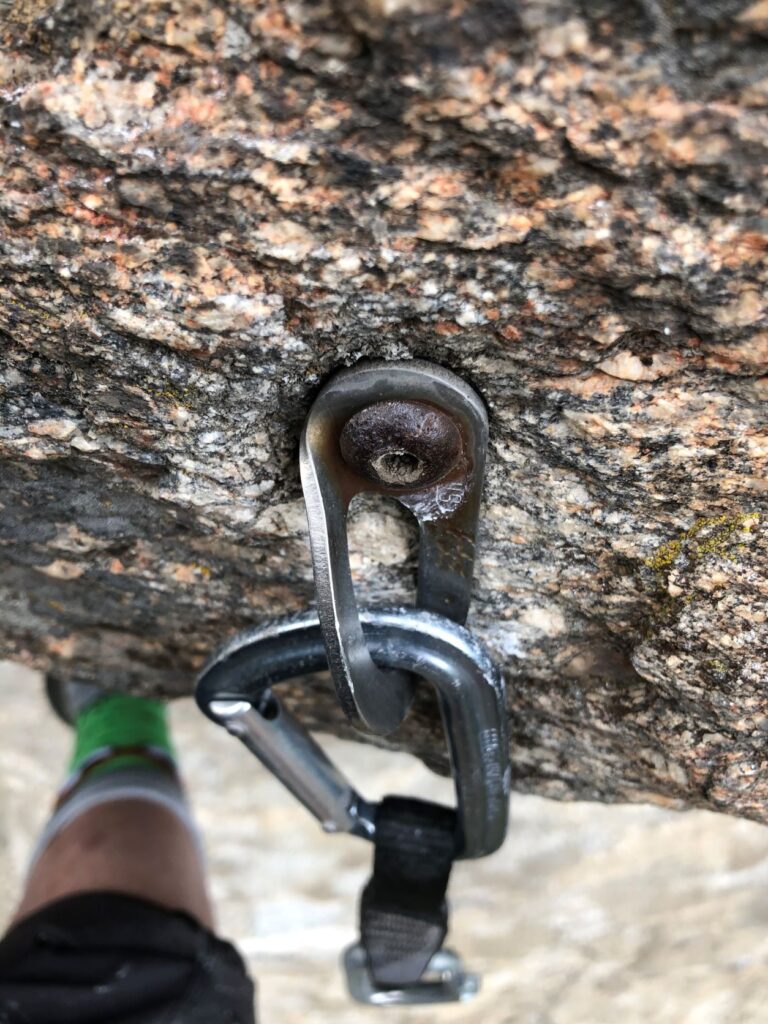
418,433
234,690
444,981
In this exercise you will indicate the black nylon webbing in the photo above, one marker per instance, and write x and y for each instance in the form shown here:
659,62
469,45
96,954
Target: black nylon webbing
403,912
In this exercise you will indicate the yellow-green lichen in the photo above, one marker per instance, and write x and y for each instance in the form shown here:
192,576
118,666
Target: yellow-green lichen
725,526
664,556
707,536
171,392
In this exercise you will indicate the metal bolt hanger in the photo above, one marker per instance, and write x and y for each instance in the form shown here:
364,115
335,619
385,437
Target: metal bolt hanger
415,432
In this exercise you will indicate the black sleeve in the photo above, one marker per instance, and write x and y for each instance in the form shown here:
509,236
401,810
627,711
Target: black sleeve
105,958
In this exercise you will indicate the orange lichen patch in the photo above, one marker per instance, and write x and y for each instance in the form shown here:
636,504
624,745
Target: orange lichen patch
584,387
193,108
59,569
510,332
59,429
189,573
447,327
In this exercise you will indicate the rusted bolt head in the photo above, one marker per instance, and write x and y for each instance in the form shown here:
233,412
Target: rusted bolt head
401,444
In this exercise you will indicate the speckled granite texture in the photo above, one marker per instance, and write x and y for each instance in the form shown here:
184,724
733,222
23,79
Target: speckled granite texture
209,207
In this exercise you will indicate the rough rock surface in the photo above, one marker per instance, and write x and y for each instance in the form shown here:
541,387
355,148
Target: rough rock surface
207,208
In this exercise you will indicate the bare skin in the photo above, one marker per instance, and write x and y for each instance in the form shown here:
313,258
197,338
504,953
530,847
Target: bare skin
128,846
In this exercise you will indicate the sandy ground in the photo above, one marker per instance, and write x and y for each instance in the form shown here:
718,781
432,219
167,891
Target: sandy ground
589,915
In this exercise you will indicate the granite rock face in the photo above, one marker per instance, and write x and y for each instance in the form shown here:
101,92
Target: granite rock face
207,208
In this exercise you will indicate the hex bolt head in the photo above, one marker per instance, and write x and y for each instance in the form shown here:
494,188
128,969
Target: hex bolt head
401,445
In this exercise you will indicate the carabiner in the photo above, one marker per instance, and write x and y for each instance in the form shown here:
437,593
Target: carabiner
234,690
416,432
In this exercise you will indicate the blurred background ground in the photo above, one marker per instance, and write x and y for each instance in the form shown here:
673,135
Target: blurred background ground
589,914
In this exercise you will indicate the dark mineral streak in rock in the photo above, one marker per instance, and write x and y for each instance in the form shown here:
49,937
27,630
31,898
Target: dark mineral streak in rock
209,207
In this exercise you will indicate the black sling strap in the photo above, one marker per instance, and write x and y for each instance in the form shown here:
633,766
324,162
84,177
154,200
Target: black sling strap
403,910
